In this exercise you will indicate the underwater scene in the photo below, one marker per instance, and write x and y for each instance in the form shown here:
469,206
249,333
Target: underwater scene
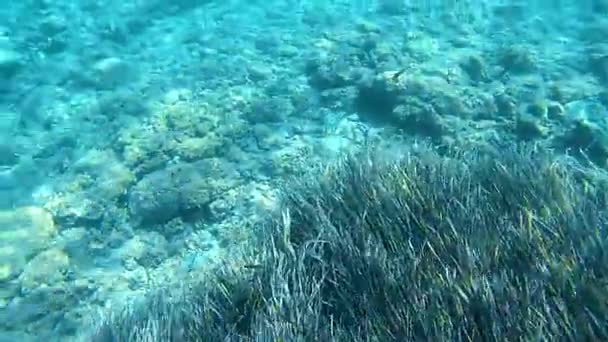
303,170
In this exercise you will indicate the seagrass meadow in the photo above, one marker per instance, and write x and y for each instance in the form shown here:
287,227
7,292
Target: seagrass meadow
467,246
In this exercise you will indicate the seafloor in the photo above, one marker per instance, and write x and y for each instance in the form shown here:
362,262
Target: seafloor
141,140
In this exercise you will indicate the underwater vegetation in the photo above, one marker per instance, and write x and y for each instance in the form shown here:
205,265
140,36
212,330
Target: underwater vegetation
467,246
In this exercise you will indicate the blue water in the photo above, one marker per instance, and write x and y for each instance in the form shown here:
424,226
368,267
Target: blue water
138,137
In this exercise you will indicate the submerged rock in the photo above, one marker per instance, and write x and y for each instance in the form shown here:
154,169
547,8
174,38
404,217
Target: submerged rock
10,63
179,190
112,72
23,233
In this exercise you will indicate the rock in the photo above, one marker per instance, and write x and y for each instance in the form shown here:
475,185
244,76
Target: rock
74,242
24,232
419,117
8,154
174,96
78,209
587,109
518,59
178,190
9,122
46,268
156,197
538,109
194,148
259,72
366,26
111,177
476,68
446,101
506,105
603,98
529,127
599,6
325,72
271,109
147,249
555,111
10,336
52,25
10,63
112,72
587,136
598,61
340,98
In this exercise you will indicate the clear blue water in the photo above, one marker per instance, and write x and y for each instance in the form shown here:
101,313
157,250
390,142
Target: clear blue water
136,137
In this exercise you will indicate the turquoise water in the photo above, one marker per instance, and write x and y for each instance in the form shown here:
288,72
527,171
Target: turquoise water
141,140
